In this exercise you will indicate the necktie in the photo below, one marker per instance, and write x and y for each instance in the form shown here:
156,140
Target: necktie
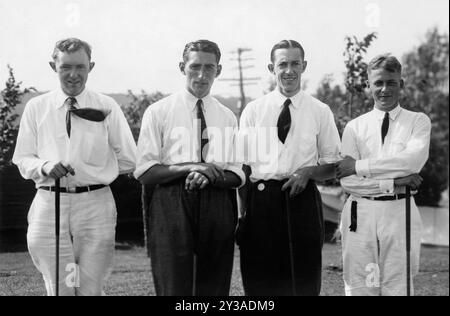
203,138
284,121
384,127
86,113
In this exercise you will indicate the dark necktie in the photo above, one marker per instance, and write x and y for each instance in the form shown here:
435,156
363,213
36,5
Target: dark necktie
86,113
284,121
384,127
203,138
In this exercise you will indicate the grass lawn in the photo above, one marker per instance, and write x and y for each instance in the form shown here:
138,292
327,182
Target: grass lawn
132,275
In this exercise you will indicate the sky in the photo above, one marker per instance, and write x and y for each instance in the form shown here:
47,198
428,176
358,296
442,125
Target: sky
137,44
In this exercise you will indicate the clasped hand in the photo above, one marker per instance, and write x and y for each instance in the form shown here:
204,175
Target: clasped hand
57,170
203,174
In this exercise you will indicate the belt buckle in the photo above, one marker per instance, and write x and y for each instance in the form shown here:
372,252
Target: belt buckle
71,190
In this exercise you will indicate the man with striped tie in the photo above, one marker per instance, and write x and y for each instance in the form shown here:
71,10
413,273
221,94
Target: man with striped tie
186,149
81,138
385,150
281,228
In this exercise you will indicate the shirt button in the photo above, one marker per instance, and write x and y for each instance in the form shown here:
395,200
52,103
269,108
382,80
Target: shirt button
261,187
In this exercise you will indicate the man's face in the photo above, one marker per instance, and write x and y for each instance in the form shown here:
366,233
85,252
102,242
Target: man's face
385,88
201,69
288,66
72,69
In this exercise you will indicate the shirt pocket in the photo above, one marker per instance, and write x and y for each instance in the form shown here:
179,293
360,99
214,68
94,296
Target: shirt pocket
397,145
307,144
95,146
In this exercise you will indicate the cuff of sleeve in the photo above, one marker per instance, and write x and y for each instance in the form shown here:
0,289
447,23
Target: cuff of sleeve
387,186
141,169
362,168
239,172
40,171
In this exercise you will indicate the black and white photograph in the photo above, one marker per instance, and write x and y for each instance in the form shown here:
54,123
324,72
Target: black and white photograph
224,153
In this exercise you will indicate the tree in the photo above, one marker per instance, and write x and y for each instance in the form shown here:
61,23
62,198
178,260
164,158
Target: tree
134,111
426,71
356,75
11,96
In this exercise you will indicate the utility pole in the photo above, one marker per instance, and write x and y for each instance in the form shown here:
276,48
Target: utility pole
242,81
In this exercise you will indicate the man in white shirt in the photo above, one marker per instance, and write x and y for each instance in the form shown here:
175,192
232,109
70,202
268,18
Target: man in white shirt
386,148
283,136
186,149
82,138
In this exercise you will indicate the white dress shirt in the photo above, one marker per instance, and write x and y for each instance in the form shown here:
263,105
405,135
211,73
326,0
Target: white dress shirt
170,134
313,137
97,151
404,152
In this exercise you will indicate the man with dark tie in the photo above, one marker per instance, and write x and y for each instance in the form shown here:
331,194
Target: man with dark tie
283,137
186,149
385,150
82,138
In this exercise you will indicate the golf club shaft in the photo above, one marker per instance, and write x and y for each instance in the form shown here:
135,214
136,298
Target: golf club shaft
194,276
57,221
408,241
291,248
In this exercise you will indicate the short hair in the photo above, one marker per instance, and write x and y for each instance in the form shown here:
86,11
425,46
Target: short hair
71,45
202,46
286,44
387,62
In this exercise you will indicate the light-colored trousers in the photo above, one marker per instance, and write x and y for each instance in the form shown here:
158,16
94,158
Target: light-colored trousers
87,239
374,257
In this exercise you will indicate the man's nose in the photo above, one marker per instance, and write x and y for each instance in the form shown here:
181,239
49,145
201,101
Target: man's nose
73,72
201,73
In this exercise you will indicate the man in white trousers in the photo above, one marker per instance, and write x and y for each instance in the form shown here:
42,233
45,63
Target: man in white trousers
82,138
386,148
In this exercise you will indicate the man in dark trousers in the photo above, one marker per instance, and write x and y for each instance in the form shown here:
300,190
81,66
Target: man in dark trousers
297,131
186,149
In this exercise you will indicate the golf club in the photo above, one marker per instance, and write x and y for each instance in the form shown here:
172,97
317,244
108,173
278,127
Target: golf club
291,249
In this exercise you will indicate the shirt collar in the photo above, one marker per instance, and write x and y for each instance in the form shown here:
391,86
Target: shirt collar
191,100
393,114
295,99
61,98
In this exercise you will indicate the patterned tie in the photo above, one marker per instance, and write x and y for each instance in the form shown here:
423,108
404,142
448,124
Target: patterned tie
284,121
384,127
203,138
86,113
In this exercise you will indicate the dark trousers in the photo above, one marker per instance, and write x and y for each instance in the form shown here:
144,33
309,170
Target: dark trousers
182,223
265,259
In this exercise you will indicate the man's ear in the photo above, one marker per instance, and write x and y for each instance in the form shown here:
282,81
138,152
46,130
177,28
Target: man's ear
52,64
305,63
367,84
219,70
271,68
91,66
402,83
182,65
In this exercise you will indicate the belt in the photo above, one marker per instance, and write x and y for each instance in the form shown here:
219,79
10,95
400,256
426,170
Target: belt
76,189
386,197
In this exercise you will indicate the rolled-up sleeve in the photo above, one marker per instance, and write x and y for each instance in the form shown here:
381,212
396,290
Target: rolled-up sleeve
234,165
329,143
26,151
149,144
121,140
